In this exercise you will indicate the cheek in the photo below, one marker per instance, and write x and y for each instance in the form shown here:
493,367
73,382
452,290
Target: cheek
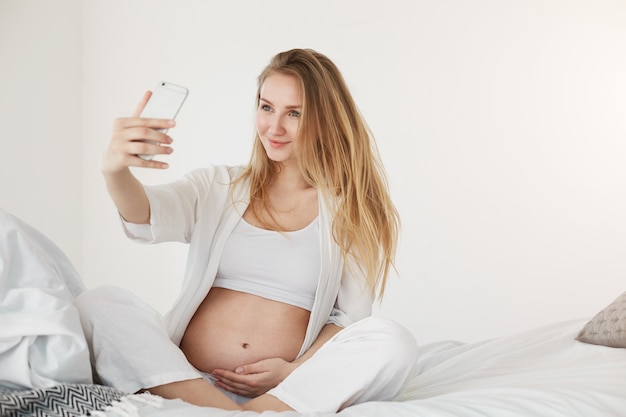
262,123
293,126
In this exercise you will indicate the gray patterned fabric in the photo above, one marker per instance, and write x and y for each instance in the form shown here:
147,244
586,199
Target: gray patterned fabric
69,400
608,327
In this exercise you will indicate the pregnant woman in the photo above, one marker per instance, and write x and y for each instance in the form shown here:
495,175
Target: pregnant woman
286,255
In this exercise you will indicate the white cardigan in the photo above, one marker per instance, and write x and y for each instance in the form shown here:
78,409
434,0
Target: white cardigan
198,210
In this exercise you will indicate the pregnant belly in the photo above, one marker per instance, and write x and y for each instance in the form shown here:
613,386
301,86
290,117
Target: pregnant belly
231,328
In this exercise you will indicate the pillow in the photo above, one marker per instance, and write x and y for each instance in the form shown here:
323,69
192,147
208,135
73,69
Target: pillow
42,342
608,327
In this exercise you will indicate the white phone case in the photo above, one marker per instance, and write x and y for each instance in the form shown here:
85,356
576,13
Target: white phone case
164,103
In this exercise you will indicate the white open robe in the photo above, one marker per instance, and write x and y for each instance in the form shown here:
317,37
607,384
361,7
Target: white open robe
198,210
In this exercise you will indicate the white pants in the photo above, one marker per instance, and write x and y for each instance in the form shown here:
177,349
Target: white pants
130,349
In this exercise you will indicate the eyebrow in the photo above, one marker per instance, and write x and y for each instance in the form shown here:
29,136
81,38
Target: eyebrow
292,107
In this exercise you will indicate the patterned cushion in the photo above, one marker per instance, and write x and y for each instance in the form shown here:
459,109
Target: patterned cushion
608,327
69,400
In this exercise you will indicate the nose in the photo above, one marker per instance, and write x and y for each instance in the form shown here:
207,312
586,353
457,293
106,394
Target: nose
277,127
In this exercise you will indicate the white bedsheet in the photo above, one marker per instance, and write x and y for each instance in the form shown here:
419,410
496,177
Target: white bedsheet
543,372
41,339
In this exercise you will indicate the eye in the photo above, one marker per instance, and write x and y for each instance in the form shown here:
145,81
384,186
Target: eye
265,107
294,113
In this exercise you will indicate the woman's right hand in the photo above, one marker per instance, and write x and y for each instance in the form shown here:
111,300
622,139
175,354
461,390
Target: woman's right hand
128,141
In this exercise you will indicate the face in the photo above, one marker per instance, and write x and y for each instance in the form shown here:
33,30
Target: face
278,116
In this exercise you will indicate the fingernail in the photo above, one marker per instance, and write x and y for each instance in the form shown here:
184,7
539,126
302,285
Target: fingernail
239,370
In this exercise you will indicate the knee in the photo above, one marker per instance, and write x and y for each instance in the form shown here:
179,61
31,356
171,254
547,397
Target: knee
107,306
400,344
99,299
395,345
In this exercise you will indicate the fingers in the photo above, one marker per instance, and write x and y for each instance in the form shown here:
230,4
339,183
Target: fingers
144,135
142,103
246,384
130,122
120,156
141,140
136,136
150,163
249,388
246,369
235,380
222,374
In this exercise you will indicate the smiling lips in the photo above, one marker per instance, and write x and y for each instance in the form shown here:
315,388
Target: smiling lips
276,144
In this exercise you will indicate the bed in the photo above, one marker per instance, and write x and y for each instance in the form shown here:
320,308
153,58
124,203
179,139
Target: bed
566,369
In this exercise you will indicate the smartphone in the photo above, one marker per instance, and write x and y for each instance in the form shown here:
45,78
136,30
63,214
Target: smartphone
164,103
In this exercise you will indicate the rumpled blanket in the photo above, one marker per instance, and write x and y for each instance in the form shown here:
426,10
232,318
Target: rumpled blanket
68,400
41,339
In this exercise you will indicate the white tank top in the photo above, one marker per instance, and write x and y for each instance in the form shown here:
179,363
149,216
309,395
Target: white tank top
278,266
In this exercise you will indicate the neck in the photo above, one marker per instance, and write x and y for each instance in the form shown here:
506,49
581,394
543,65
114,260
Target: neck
289,177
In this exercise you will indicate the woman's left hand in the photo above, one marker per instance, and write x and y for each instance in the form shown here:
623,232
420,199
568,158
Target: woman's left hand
254,379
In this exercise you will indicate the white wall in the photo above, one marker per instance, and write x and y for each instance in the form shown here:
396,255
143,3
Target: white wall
501,125
40,117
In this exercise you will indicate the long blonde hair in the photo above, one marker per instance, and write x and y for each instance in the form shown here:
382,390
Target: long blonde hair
336,154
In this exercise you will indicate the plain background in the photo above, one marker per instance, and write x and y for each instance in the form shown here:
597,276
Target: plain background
502,125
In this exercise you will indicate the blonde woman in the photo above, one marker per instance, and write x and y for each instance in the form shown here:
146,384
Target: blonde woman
286,256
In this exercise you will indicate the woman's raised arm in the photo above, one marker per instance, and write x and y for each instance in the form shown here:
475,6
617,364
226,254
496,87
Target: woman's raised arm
128,141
